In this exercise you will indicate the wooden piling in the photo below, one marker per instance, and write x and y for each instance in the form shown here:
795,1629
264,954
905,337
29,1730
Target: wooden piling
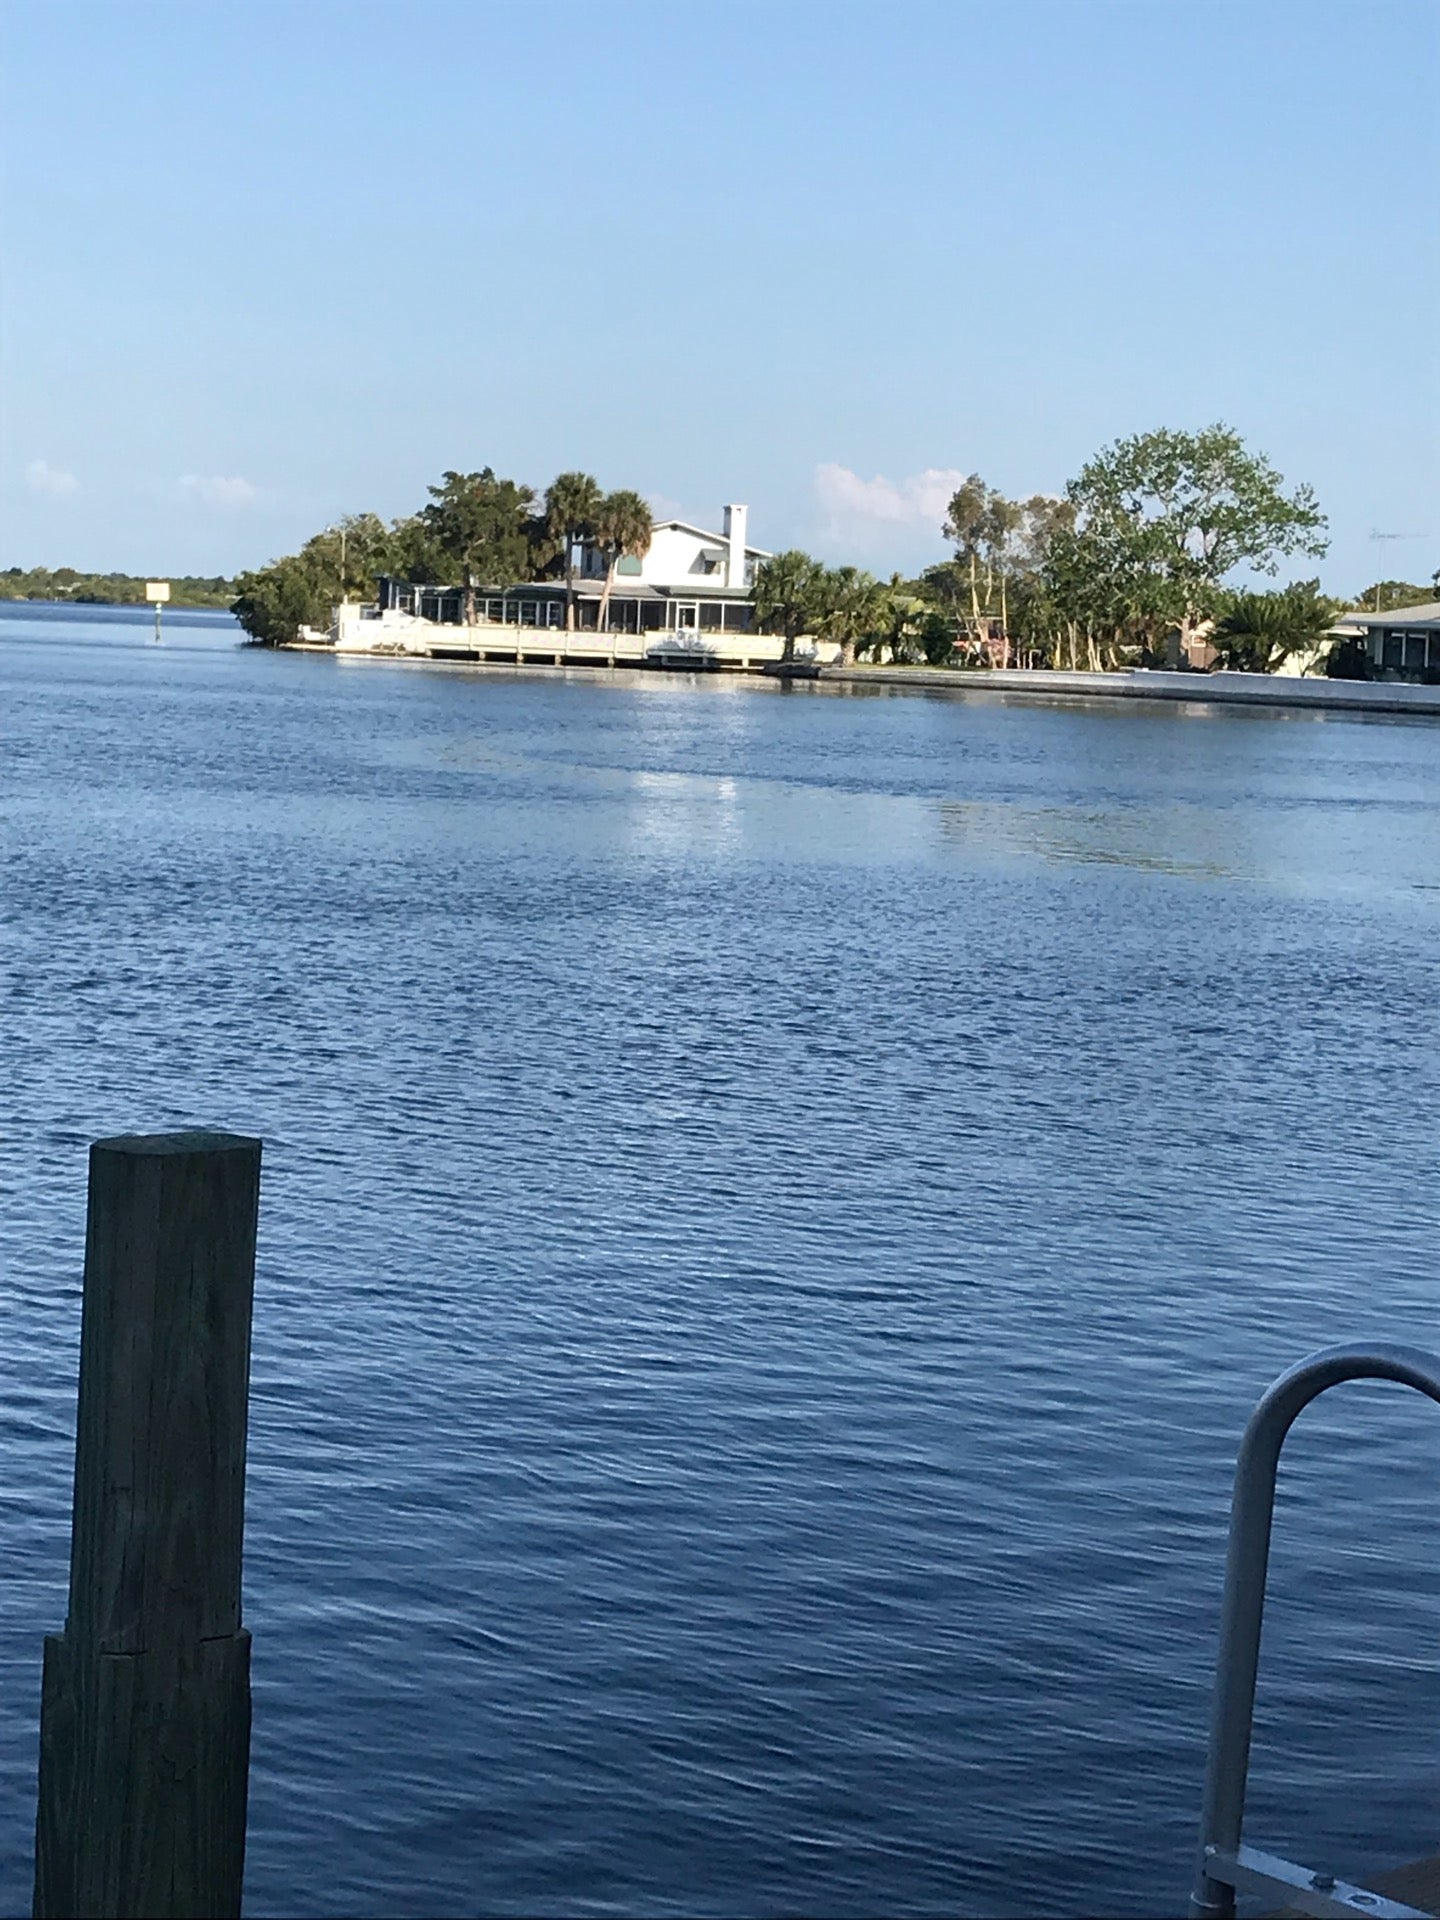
145,1707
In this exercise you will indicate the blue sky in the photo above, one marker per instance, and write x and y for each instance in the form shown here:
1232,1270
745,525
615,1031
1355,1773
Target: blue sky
267,263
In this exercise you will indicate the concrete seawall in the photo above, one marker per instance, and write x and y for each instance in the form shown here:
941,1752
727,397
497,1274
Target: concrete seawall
1280,691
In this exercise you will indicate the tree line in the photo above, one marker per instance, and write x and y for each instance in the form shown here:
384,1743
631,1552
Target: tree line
476,530
1136,550
1139,552
111,589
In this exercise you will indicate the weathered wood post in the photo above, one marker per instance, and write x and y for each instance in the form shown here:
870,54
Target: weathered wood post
145,1705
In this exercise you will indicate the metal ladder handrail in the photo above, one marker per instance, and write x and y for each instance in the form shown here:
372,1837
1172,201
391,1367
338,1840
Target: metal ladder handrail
1224,1864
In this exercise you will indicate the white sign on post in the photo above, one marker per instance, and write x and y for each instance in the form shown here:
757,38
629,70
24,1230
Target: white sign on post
157,590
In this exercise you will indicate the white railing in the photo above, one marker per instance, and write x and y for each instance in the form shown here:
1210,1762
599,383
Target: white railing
1226,1866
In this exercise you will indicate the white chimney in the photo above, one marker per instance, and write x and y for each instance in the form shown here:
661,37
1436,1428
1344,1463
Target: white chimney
735,519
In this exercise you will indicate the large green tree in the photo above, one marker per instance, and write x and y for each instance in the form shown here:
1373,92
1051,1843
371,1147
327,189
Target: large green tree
982,523
273,603
1092,606
1167,515
572,502
1000,544
352,554
621,525
416,554
479,522
787,596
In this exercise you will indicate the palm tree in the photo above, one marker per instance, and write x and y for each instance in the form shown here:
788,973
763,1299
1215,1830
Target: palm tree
788,596
1260,631
911,625
572,500
621,525
851,602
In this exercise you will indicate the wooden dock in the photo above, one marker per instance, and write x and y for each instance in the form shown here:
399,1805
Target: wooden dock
1418,1885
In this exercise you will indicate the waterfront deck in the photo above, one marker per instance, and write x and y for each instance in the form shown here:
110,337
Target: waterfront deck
488,644
1418,1885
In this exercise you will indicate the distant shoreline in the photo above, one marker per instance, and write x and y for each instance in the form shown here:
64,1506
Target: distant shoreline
77,600
69,587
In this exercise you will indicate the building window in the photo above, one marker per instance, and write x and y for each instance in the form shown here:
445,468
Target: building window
1391,658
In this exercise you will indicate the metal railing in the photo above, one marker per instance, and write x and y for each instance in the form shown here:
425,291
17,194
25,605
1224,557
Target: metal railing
1227,1867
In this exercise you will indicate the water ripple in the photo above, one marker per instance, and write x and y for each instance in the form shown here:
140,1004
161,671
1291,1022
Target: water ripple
775,1212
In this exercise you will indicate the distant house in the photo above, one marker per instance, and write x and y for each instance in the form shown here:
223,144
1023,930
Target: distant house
1402,644
688,582
682,559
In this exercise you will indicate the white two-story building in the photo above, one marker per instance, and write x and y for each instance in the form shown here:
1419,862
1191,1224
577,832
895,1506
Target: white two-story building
688,581
682,559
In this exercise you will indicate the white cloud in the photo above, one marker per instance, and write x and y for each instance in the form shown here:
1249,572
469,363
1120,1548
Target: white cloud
852,504
53,482
218,490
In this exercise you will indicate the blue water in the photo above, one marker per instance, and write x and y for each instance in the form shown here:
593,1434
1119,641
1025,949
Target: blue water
777,1205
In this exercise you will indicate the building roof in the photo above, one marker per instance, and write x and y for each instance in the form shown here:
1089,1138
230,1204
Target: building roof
715,539
1427,614
626,587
